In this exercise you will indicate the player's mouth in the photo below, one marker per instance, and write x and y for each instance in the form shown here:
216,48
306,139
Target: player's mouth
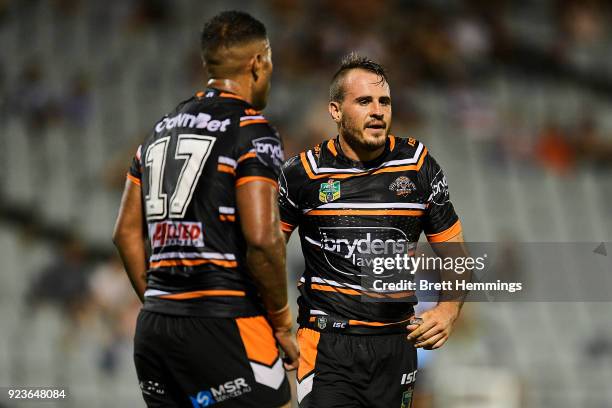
376,125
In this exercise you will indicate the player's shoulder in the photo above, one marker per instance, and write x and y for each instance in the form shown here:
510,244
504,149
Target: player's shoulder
410,150
295,166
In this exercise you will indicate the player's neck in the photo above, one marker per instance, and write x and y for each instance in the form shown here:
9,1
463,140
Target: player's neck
230,85
358,154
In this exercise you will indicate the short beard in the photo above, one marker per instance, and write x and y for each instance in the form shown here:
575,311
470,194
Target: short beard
350,133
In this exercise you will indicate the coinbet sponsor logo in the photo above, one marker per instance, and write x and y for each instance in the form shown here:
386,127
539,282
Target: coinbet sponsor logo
347,248
167,233
269,151
220,393
186,120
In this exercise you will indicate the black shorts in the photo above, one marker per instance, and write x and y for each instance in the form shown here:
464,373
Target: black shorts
196,362
355,370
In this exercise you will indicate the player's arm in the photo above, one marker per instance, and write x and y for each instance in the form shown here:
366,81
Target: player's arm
444,233
438,322
129,237
260,223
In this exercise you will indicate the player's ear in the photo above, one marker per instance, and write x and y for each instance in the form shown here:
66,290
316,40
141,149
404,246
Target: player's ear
256,66
334,111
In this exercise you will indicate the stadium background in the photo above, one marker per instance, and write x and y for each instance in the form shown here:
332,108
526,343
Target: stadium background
513,98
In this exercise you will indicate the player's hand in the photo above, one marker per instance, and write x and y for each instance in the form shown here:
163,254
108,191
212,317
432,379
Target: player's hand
287,342
436,327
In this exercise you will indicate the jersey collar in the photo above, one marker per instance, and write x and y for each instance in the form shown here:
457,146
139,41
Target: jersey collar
333,146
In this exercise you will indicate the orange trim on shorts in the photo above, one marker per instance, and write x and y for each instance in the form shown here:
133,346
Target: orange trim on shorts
133,179
245,156
445,235
252,122
248,179
227,217
202,293
224,168
313,319
332,147
328,288
414,213
258,340
308,340
193,262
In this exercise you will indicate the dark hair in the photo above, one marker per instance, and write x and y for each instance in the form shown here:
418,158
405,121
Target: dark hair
227,29
349,62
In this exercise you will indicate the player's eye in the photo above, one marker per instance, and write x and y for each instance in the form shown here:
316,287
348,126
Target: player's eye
363,101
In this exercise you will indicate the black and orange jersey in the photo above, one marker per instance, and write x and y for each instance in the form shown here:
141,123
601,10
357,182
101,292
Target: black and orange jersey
349,213
188,169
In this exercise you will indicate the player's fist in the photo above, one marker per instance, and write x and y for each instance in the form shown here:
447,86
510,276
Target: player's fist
287,342
435,328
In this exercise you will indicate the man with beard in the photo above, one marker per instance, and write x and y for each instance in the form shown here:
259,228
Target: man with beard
204,184
360,193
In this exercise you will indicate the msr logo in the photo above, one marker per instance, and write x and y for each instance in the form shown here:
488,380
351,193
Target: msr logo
228,390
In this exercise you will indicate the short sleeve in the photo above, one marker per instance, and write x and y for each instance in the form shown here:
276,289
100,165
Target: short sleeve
259,153
289,211
441,223
134,173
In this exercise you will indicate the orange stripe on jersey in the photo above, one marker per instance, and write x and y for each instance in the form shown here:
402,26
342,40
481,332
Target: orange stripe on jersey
348,291
193,262
200,94
445,235
332,147
287,227
327,288
133,179
248,179
230,95
415,167
258,340
245,156
391,142
313,176
224,168
202,293
227,217
413,213
308,340
252,122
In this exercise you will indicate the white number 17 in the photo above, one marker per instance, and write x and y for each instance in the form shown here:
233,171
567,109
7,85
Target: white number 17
194,149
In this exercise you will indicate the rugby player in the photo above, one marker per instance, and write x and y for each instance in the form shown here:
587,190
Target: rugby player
202,189
362,187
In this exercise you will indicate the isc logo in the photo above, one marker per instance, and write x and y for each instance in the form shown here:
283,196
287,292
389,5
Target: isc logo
339,325
409,378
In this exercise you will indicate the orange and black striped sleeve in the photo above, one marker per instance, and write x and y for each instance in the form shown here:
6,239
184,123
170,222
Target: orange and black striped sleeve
259,152
134,173
440,222
287,201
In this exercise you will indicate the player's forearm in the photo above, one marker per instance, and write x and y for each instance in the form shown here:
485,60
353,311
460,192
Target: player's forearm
132,252
453,299
267,265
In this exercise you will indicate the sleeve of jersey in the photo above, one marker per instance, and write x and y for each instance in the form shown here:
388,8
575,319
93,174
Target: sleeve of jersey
289,211
134,173
259,152
441,222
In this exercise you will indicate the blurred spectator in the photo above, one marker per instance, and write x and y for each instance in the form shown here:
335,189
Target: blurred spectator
117,307
554,149
63,283
76,103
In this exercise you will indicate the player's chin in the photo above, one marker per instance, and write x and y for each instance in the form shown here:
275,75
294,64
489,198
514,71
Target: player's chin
375,137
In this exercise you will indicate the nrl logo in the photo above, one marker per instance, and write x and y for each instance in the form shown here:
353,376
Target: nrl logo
402,186
329,191
322,322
